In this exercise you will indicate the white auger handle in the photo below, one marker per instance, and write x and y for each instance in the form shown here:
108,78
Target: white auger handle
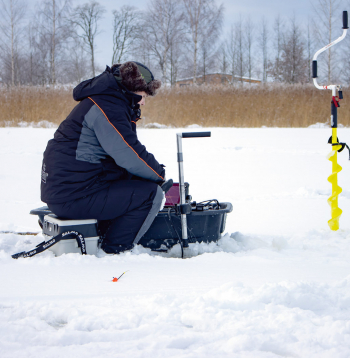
314,60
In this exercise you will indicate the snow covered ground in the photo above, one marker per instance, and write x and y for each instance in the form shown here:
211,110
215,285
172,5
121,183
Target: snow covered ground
276,285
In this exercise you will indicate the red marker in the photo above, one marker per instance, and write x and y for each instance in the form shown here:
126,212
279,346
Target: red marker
115,279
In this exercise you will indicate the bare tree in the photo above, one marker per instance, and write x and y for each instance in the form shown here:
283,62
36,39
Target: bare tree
249,29
13,12
44,52
176,59
31,42
241,63
54,30
77,68
327,13
86,18
201,16
209,48
309,47
162,28
275,69
35,70
293,61
39,50
125,29
208,54
232,52
263,43
223,65
143,52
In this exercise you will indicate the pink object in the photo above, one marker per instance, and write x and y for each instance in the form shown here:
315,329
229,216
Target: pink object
173,195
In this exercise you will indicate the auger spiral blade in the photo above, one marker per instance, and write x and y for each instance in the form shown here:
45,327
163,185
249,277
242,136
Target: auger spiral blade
336,189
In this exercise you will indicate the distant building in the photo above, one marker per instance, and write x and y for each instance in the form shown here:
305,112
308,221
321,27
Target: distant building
215,79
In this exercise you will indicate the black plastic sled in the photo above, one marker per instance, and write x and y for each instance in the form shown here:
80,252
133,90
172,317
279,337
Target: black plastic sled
205,223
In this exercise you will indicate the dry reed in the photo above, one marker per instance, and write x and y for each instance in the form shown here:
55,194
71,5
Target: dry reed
25,104
270,105
224,106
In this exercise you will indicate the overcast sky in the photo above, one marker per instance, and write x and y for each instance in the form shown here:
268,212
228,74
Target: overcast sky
256,9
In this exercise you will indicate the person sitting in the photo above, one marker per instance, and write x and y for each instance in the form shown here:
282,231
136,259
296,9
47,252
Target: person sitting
95,166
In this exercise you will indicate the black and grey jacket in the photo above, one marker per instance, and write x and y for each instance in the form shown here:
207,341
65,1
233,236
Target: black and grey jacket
96,144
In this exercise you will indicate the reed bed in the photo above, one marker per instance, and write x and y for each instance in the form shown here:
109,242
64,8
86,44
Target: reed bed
33,105
272,105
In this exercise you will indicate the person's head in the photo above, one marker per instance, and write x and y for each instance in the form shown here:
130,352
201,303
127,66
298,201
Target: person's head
137,78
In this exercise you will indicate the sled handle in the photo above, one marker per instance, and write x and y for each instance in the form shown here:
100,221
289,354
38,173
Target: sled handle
185,208
195,134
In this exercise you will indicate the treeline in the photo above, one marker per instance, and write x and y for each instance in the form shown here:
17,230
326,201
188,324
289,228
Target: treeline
175,38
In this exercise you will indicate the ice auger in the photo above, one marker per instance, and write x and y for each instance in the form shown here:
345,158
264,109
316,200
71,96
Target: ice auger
333,140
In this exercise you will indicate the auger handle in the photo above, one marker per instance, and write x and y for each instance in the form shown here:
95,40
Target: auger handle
314,69
195,134
345,20
314,62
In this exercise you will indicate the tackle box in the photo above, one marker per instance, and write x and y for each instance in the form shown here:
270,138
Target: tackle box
52,226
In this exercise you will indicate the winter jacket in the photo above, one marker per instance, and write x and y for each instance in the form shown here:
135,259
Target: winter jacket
96,144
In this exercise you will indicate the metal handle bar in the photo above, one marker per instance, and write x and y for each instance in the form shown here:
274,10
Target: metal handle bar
195,134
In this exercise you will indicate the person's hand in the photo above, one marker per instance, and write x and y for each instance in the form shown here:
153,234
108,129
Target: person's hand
167,185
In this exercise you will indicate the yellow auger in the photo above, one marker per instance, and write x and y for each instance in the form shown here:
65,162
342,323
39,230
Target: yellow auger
333,179
333,140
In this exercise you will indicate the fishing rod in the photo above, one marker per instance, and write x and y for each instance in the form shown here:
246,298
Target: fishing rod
333,140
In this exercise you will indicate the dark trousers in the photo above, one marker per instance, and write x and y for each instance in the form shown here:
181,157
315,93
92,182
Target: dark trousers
124,212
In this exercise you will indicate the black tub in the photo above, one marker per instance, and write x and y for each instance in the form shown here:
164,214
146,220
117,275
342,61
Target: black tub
202,226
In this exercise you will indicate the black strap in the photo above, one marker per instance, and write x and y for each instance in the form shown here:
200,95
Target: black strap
47,244
343,145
